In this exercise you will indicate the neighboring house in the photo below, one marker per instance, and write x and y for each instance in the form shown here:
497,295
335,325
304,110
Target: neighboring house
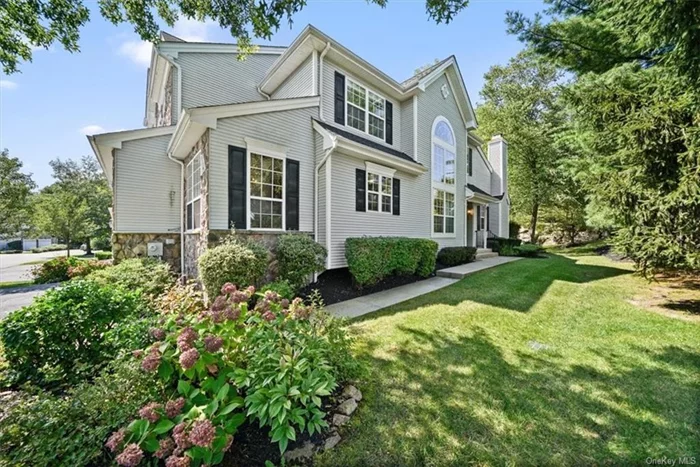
308,138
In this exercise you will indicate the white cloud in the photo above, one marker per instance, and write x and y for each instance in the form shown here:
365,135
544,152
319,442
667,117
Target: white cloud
191,30
7,84
138,52
92,129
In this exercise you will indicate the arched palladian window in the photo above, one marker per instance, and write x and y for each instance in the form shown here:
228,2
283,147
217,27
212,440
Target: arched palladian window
443,175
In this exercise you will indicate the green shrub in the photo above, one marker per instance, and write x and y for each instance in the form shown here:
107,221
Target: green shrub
529,250
371,259
150,276
101,243
52,247
71,430
507,250
299,256
102,255
454,255
495,243
15,245
181,299
55,270
68,333
84,268
282,288
513,229
236,261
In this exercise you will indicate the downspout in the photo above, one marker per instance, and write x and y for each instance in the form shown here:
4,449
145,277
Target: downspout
326,155
182,212
320,80
266,96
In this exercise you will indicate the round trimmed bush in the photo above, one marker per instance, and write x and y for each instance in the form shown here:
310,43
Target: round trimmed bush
240,262
299,256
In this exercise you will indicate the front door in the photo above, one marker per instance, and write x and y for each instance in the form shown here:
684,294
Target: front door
481,226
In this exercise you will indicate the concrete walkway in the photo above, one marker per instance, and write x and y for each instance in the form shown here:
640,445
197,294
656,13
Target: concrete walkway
369,303
458,272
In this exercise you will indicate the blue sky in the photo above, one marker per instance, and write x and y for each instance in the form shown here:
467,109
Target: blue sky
46,110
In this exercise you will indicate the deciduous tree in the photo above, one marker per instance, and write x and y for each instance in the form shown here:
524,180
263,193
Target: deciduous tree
15,192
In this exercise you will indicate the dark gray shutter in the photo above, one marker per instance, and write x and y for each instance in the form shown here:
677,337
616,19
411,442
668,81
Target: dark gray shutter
470,161
396,197
237,188
488,218
360,200
291,201
339,98
389,122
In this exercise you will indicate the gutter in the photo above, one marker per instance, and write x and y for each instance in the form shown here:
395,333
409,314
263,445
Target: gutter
266,96
320,80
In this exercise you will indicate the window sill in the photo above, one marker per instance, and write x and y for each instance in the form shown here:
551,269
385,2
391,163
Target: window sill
443,235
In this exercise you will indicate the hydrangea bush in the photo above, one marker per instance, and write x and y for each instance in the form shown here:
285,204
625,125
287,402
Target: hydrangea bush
274,362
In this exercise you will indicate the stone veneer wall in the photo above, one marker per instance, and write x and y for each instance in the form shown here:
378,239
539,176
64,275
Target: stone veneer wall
196,242
135,245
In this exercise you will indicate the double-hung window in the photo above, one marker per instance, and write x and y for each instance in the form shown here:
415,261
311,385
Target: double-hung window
266,191
193,197
444,149
379,192
365,109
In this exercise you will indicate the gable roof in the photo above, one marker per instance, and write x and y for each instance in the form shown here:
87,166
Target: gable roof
312,40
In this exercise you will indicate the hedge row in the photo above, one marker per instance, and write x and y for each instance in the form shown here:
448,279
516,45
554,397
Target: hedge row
495,243
455,255
371,259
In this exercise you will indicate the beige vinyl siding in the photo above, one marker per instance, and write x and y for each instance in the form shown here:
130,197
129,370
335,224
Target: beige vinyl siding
407,127
291,129
327,101
481,175
299,83
147,187
431,104
347,222
220,78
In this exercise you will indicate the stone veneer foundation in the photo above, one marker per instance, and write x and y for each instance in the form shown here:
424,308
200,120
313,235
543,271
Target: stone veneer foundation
135,245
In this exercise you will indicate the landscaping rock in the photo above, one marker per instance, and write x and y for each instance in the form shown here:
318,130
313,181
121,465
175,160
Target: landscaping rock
340,420
332,441
300,454
352,392
347,407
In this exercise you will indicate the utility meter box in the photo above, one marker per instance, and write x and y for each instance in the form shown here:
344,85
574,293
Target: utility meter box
155,249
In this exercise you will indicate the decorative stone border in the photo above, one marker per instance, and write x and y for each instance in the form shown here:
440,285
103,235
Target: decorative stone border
348,401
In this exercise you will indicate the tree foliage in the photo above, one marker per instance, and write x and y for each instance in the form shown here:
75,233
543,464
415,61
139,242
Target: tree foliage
521,102
40,23
636,110
15,194
59,212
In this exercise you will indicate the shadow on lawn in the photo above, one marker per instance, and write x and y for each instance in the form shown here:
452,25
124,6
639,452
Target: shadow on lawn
516,286
448,399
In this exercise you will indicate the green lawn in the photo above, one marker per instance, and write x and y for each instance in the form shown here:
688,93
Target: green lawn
12,284
461,376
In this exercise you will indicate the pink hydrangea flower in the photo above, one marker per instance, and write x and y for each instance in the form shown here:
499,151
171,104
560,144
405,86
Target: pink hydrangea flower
189,358
174,461
232,314
219,303
228,288
166,447
180,436
115,440
174,407
213,343
151,361
131,456
268,316
157,333
138,353
285,303
251,291
202,433
150,412
186,339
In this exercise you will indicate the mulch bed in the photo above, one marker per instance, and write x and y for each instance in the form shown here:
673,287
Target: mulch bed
337,285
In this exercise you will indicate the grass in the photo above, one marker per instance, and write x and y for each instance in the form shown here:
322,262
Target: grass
9,285
536,362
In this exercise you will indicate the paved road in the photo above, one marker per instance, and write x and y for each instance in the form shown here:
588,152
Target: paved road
12,267
17,297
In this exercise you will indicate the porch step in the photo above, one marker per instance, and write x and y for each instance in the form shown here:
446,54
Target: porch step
484,253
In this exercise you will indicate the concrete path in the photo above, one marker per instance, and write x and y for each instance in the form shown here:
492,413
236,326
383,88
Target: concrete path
458,272
362,305
16,297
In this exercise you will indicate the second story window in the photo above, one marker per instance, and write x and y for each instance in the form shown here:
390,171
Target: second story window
193,197
365,110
